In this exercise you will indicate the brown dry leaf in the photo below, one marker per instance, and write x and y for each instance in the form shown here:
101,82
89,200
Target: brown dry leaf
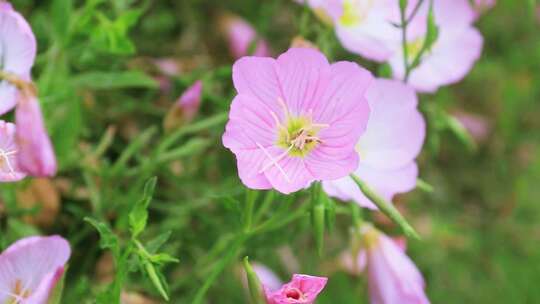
42,193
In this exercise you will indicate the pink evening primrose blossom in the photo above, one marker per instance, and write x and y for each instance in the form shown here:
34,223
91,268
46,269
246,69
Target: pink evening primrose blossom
9,168
451,57
186,108
17,53
365,28
303,289
387,150
392,276
31,268
296,119
36,155
240,35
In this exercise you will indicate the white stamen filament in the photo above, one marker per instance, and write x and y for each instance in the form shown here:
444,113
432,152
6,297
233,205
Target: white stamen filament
273,162
5,155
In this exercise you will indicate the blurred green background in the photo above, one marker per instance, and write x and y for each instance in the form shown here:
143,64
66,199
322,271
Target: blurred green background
480,226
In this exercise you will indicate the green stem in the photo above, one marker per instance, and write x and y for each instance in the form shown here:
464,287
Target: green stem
251,197
386,207
404,24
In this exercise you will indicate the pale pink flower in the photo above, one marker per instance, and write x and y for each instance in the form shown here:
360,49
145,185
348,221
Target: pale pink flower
454,53
393,139
9,168
240,35
296,119
326,10
186,108
365,28
303,289
17,53
31,268
392,276
36,155
357,265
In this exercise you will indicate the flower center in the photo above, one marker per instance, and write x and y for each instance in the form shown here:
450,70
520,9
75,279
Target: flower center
18,294
299,136
414,47
294,293
355,11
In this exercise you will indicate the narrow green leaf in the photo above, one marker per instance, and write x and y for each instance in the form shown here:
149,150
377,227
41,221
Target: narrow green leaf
254,284
108,240
100,80
386,207
138,216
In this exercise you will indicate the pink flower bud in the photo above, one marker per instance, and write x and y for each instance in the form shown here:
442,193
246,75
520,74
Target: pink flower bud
186,108
36,155
240,35
303,289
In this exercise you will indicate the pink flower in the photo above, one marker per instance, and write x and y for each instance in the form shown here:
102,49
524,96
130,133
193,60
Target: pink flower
31,268
326,10
17,53
392,276
240,35
365,28
454,53
303,289
296,119
186,108
36,155
9,169
393,139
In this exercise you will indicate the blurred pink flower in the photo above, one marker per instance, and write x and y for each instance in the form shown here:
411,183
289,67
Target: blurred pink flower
240,35
365,28
296,119
9,169
393,139
31,268
303,289
17,53
357,265
186,108
392,276
454,53
36,155
477,125
326,10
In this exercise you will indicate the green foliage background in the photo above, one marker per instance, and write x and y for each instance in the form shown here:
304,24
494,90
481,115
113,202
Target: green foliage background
480,227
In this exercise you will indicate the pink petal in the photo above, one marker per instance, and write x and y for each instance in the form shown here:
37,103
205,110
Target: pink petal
240,35
453,13
36,156
392,276
396,129
267,277
385,183
302,75
296,176
18,42
37,262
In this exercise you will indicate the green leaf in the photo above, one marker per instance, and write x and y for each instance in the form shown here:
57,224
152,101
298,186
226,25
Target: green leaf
154,245
62,10
138,216
100,80
108,240
162,258
254,284
157,279
386,207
